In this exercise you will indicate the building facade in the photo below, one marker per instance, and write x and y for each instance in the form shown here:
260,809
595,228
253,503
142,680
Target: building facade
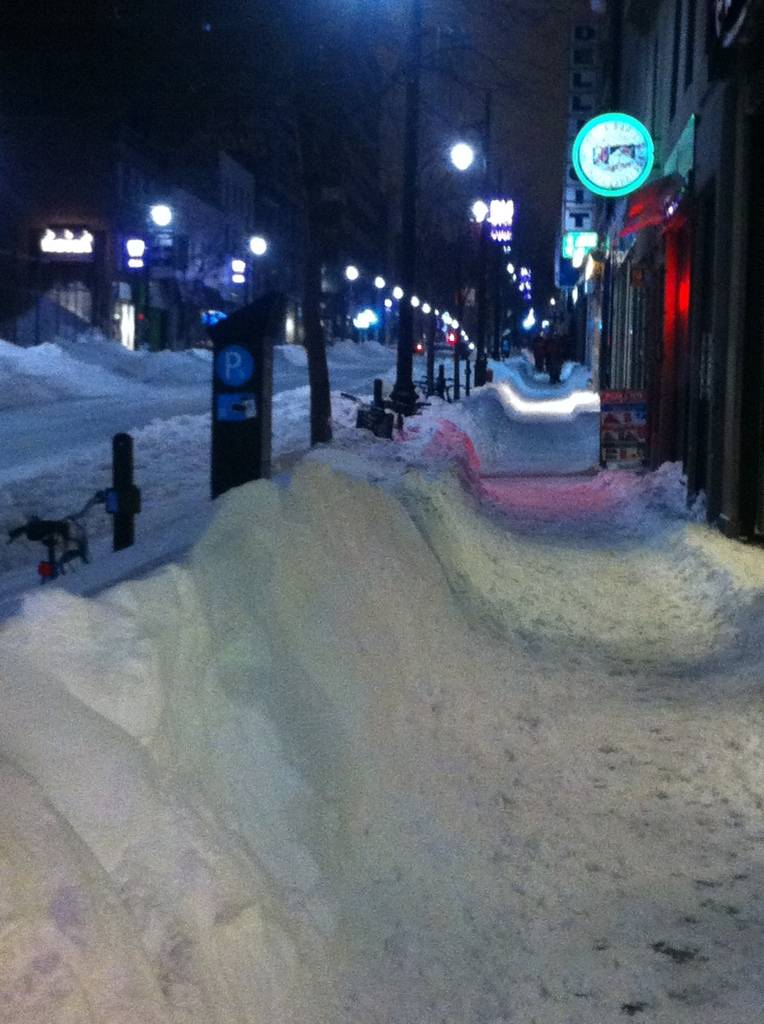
673,290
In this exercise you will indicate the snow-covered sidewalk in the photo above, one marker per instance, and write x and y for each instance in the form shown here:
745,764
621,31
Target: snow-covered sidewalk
397,743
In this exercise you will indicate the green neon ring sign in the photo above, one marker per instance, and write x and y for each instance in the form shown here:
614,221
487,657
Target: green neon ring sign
645,138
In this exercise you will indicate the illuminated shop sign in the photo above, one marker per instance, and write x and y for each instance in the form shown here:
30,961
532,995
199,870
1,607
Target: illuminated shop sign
613,155
501,212
573,241
67,242
501,216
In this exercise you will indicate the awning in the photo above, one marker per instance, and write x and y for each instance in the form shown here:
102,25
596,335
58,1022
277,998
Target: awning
651,204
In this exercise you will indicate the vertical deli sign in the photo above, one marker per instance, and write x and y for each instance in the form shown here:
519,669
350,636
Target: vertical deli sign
578,208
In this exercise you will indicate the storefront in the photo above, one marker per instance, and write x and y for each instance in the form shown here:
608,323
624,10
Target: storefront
742,500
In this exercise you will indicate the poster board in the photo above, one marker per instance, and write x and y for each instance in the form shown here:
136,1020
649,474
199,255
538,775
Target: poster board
623,429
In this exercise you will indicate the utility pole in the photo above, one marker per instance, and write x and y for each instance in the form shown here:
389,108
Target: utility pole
481,359
404,396
497,274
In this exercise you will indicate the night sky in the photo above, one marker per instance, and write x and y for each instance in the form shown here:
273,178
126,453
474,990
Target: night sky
518,49
156,65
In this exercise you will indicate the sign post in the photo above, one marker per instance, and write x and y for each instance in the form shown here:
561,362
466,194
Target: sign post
242,392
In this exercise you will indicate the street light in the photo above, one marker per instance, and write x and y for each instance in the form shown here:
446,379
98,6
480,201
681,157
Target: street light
352,273
397,293
415,301
510,268
161,215
427,309
379,282
462,156
404,394
258,245
388,303
480,211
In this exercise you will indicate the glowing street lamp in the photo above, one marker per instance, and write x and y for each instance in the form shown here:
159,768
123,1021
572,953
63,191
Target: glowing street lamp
352,273
415,301
480,211
379,282
510,268
161,215
258,246
427,309
462,156
388,303
398,293
553,302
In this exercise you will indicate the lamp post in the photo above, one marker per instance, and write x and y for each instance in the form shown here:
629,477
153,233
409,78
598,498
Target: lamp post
404,395
380,284
352,274
481,359
258,246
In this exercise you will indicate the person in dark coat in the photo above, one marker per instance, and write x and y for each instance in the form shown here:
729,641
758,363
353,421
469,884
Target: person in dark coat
539,352
555,356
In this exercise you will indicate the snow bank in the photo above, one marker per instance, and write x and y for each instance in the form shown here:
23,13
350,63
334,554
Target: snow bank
332,768
208,742
47,373
170,369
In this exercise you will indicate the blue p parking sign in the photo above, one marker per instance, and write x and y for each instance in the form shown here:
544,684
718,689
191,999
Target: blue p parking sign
234,366
242,391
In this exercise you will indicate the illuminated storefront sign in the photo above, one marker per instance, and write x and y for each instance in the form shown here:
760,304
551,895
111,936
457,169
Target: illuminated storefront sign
66,242
578,205
501,213
613,155
573,241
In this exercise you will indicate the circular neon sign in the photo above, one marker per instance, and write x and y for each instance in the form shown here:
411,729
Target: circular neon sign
613,155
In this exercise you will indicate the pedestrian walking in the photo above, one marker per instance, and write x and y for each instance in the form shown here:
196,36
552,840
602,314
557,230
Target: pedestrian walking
539,352
555,355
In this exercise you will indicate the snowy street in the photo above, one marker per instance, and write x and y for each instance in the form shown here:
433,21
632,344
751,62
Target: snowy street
40,426
454,728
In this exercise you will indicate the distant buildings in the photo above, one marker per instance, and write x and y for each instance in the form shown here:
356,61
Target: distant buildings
114,109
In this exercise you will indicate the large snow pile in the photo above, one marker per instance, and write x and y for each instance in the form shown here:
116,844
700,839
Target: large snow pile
47,373
361,759
174,369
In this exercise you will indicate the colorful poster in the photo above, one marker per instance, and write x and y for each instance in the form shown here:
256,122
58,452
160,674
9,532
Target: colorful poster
623,429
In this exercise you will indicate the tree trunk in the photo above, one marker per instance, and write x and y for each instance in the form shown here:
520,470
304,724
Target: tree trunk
315,342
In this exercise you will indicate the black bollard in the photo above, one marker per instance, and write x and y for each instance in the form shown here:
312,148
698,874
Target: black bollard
124,499
457,374
467,377
379,402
